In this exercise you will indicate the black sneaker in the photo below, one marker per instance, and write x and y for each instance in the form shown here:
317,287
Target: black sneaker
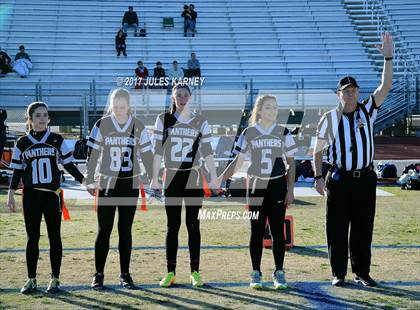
29,287
365,280
98,281
337,281
53,286
126,281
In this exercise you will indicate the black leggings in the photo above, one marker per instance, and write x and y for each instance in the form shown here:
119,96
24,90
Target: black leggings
183,186
35,204
173,215
107,206
2,140
273,209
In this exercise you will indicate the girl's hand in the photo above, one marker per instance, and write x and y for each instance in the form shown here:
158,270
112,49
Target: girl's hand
156,186
11,203
92,188
290,197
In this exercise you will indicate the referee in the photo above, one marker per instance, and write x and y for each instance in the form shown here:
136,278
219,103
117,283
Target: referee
347,134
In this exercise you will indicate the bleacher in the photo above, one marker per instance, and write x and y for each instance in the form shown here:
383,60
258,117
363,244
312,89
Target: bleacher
275,43
406,15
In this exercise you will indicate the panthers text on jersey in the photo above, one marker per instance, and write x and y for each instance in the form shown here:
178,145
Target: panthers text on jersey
268,149
119,146
182,143
40,159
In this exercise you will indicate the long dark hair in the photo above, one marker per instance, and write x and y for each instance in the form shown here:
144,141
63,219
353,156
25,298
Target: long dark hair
31,109
118,33
172,109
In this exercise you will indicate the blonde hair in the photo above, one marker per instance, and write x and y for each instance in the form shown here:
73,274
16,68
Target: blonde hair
259,102
31,109
118,93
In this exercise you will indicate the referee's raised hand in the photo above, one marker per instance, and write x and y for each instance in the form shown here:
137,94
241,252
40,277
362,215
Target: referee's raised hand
387,48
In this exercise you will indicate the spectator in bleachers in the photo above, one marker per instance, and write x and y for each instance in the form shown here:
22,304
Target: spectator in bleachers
142,73
5,63
120,45
187,19
22,54
159,72
22,62
130,20
175,72
193,67
193,21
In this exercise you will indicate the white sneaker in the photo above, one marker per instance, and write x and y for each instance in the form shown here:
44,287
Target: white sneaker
255,281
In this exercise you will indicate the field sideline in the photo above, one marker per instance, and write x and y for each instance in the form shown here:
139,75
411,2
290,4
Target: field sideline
225,263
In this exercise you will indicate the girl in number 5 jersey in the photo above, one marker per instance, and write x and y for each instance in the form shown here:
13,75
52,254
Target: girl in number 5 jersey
269,191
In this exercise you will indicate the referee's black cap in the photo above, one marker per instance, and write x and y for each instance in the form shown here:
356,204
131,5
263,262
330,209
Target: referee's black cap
346,82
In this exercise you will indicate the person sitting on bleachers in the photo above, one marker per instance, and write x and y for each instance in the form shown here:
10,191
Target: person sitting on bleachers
142,73
120,45
5,63
131,20
22,62
193,20
193,66
186,14
175,72
158,72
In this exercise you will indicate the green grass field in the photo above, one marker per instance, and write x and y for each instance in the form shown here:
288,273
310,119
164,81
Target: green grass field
225,270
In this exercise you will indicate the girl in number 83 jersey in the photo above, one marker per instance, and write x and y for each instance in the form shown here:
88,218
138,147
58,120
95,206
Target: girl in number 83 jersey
117,143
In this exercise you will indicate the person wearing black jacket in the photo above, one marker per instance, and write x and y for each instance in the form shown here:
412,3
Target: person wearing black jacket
22,54
158,72
130,19
193,20
5,61
187,18
120,45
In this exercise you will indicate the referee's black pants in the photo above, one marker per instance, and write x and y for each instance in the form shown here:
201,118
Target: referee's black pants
350,203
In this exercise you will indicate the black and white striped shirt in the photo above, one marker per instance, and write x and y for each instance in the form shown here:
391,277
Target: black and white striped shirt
349,135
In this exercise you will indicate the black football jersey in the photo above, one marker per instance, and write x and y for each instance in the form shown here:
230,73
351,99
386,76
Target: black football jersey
119,146
182,142
268,149
40,159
